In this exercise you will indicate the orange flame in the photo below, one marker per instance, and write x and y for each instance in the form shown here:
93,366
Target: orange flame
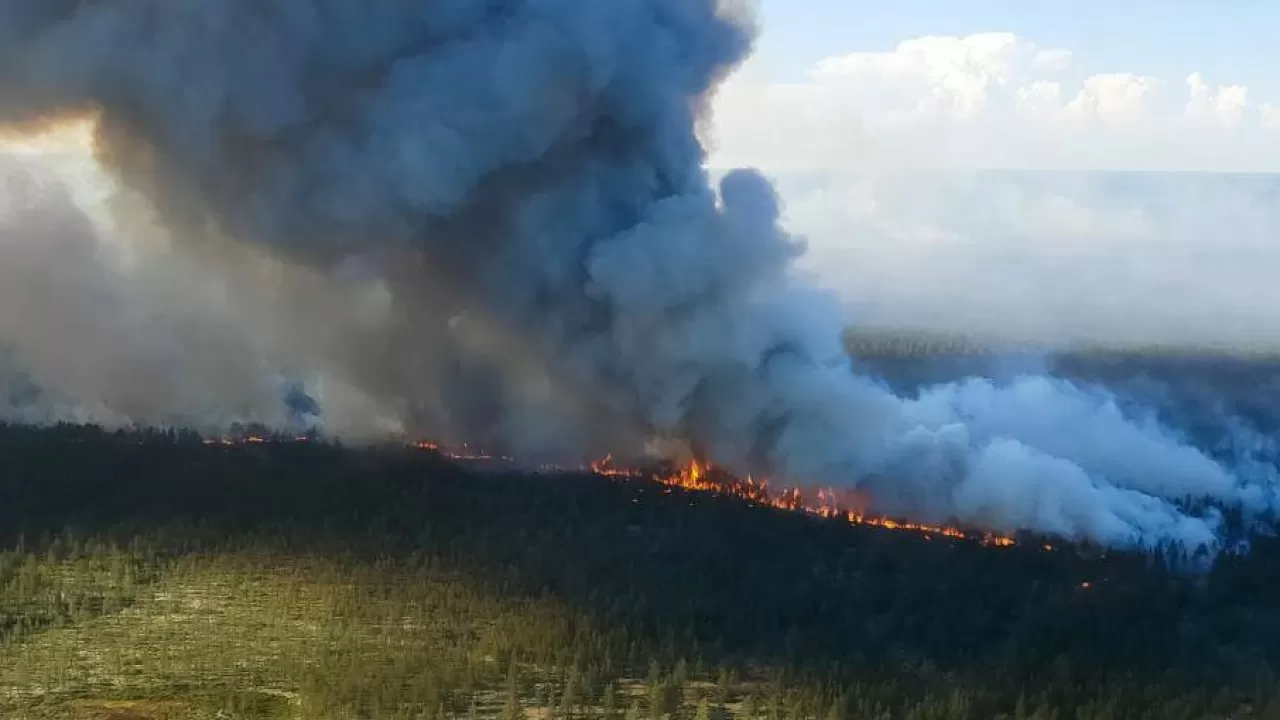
703,477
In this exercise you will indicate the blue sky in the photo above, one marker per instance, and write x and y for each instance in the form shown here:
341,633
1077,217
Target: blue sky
1234,40
1092,84
852,107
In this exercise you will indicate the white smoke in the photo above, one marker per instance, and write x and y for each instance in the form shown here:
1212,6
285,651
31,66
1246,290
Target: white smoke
524,182
119,326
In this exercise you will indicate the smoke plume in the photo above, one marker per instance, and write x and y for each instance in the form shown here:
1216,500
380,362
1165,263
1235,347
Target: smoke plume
489,220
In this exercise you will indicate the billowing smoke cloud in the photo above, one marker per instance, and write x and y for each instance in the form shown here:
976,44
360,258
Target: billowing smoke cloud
523,182
96,330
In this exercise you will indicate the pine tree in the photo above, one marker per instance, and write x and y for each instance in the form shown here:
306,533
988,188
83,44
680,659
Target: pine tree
569,698
836,710
655,674
609,702
680,676
724,686
704,710
511,708
657,695
775,704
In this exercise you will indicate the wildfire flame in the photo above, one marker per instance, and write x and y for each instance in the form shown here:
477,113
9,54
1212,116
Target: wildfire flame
467,453
703,477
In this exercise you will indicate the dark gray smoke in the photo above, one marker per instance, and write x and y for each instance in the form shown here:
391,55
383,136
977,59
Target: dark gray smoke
523,180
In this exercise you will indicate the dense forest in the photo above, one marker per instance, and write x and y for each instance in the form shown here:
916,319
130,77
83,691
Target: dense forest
149,575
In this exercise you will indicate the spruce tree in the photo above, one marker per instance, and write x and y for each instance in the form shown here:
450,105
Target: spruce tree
704,710
511,708
609,702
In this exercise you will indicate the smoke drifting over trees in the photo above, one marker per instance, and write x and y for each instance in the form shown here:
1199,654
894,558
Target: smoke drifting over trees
490,221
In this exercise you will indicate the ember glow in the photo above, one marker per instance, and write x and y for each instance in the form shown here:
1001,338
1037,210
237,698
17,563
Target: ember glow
704,477
826,503
465,453
496,221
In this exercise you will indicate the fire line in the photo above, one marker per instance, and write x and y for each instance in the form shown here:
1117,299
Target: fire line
704,477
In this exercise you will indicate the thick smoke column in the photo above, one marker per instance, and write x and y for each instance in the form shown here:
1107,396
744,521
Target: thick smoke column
525,179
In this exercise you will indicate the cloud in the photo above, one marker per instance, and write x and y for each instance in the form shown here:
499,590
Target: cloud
1114,99
1222,105
980,183
930,76
992,100
1270,116
1056,59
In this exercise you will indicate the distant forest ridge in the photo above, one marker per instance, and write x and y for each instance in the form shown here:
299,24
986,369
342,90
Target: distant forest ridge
888,341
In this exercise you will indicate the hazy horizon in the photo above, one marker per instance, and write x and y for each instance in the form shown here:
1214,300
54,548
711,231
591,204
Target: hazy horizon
1053,256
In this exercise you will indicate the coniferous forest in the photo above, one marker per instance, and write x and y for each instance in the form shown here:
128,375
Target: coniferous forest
147,575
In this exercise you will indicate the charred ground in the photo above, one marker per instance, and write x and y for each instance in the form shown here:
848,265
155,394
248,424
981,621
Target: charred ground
150,572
